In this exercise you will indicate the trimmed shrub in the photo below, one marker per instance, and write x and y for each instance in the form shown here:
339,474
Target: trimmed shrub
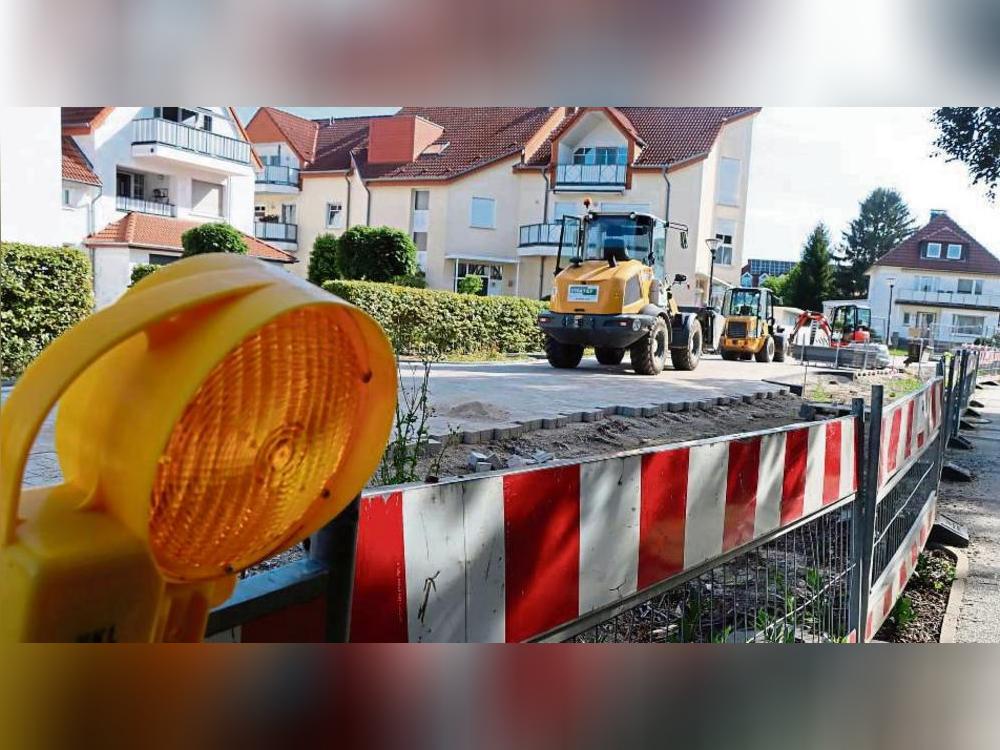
43,291
141,271
424,320
213,238
323,259
470,285
375,254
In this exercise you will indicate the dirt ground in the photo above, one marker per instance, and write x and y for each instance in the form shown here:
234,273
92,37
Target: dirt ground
840,389
613,434
919,613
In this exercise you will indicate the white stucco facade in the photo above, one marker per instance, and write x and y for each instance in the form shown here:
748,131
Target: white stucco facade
31,175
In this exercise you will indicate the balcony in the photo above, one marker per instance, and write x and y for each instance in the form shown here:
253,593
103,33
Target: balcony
590,176
544,234
948,299
152,132
276,231
157,208
285,179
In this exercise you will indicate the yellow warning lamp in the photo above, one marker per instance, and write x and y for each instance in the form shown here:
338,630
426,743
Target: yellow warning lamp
220,412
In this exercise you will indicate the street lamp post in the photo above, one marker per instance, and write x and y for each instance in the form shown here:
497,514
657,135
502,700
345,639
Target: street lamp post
713,246
888,319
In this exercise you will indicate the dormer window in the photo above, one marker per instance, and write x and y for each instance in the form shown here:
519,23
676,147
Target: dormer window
933,250
954,252
600,155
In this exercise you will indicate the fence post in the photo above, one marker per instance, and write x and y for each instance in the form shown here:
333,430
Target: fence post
857,622
944,434
868,502
963,366
950,403
334,545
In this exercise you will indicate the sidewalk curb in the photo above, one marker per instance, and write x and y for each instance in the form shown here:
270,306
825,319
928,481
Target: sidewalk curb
949,624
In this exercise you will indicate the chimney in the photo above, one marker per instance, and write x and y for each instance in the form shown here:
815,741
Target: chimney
935,212
400,139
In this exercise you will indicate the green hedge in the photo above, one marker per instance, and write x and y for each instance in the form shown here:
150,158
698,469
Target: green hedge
43,291
424,320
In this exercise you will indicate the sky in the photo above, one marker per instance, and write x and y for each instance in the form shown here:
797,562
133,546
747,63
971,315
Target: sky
812,164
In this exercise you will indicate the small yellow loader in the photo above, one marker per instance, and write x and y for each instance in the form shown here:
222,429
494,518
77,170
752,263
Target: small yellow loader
613,296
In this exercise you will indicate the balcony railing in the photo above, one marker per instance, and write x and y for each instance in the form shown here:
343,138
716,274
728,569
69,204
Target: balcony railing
275,231
544,234
586,175
950,298
159,208
168,133
273,174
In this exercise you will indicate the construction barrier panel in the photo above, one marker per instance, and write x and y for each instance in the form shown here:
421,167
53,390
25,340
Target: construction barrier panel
548,552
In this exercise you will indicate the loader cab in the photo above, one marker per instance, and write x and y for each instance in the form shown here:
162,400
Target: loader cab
613,238
851,323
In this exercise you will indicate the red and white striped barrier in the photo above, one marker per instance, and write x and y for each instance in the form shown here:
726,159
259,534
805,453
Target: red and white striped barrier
909,425
889,586
512,555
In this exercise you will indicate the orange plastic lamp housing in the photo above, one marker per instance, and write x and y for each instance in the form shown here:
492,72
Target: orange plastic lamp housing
218,413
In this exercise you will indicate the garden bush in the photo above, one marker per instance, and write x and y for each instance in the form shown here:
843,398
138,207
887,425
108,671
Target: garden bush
141,271
416,280
323,259
375,254
213,238
43,291
470,285
425,320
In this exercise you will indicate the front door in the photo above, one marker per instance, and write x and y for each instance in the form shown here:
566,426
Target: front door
124,185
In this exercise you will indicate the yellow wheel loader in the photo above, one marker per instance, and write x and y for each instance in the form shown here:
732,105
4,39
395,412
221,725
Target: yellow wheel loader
750,329
613,296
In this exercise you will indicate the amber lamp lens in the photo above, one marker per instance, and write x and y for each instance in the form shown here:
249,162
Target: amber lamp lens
255,447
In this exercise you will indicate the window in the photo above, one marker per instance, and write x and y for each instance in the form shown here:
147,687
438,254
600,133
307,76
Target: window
925,283
420,240
969,325
954,252
970,286
287,213
600,155
206,123
483,213
566,208
724,231
66,199
421,200
334,215
259,211
906,319
933,250
729,182
206,198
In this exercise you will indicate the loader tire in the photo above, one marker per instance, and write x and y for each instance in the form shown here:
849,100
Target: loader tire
766,353
649,354
688,357
562,356
609,355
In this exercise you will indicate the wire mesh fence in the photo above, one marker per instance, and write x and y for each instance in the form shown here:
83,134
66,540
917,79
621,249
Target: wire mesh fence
898,510
795,588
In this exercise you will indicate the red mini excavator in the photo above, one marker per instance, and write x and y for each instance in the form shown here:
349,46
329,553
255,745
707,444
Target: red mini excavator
851,325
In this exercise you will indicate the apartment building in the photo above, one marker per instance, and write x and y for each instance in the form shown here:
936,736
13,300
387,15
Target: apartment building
124,183
938,284
482,190
758,270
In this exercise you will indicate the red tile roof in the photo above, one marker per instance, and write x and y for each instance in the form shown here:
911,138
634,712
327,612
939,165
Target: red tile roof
941,228
475,137
75,166
83,118
163,233
671,134
299,132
